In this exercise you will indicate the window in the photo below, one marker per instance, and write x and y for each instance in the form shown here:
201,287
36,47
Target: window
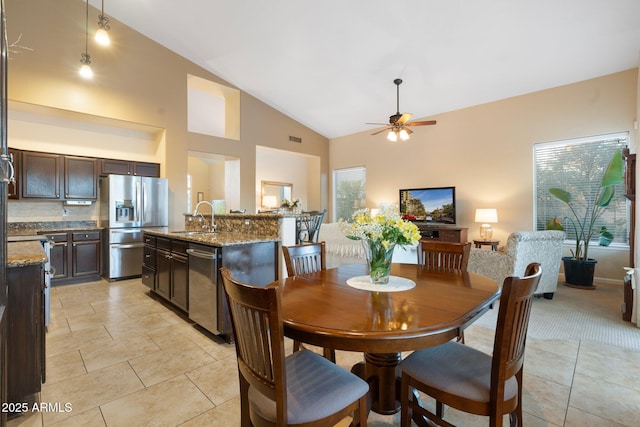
349,191
577,165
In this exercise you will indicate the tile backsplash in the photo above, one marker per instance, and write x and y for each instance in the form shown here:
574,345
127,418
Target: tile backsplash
27,211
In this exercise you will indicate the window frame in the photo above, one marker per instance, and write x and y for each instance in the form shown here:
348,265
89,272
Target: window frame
617,140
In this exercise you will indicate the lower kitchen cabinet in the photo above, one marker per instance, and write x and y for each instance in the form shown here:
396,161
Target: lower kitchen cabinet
172,271
25,356
149,262
75,256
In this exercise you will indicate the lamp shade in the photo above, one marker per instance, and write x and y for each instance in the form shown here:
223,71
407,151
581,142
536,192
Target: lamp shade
486,216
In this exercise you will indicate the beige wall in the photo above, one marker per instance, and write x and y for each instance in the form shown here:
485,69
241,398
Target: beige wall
137,82
486,152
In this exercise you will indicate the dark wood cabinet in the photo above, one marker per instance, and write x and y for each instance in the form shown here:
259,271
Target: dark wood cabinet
149,262
126,167
442,233
76,256
146,169
116,167
85,254
25,333
172,271
40,175
80,178
13,189
43,175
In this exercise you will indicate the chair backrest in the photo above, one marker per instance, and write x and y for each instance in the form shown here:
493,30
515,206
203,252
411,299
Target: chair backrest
436,255
256,319
306,258
511,328
314,221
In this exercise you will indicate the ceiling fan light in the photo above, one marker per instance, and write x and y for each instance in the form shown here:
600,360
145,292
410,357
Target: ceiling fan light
404,135
392,136
86,71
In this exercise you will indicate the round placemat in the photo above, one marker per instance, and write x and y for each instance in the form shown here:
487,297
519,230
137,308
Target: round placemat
395,284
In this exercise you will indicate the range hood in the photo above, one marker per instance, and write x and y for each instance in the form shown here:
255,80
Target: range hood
78,202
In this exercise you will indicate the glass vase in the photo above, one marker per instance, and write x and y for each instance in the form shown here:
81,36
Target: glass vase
379,260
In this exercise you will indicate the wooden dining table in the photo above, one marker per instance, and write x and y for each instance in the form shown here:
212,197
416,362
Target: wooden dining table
323,310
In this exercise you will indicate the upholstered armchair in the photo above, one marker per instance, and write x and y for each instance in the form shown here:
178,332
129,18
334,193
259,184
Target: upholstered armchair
523,248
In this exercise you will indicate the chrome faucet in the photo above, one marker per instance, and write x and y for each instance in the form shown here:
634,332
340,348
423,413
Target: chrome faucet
212,226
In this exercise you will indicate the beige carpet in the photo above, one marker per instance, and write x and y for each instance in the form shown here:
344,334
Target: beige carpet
593,315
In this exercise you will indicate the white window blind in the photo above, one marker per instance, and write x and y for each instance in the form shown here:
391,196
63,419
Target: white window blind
577,166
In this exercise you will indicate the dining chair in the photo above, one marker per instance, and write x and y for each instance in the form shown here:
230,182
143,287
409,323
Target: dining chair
308,226
469,380
303,259
302,389
438,255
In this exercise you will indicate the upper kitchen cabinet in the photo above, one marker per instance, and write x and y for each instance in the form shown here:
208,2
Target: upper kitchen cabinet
40,175
13,189
126,167
43,175
80,178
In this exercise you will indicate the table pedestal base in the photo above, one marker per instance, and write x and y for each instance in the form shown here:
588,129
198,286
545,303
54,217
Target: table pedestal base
382,373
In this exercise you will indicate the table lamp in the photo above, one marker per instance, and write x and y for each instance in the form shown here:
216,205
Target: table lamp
486,217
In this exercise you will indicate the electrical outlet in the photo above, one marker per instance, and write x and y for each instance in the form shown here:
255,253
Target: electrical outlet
246,222
65,212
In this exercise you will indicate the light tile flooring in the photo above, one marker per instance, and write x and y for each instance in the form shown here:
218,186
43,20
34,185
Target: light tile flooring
119,357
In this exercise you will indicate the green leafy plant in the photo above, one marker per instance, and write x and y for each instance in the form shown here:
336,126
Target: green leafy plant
586,210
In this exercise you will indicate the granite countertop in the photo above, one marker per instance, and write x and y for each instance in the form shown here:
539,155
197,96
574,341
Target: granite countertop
24,253
30,228
213,239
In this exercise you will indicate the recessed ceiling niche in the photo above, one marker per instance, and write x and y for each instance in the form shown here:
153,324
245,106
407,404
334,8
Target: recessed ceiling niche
213,109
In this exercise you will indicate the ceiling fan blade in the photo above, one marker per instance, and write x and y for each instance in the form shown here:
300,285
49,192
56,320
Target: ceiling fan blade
404,118
377,124
421,123
409,131
381,130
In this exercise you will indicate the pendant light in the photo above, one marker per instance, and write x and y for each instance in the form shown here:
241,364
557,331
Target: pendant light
102,37
85,70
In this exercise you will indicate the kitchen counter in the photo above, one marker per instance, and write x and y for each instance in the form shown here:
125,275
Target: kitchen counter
30,228
213,239
24,253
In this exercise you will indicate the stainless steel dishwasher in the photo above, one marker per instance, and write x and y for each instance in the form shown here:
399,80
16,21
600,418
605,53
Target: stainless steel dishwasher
205,294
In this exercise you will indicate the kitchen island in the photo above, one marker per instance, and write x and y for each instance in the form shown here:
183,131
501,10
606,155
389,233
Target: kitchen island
25,355
183,267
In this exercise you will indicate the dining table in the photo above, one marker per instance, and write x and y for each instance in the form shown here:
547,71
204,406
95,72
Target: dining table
332,309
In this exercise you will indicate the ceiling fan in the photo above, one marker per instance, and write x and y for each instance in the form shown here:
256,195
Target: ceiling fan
399,124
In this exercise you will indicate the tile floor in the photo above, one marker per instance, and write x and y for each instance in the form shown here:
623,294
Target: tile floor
119,357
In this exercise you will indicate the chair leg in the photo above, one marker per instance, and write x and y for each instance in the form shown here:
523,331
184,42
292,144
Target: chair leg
329,354
360,415
297,346
439,409
245,418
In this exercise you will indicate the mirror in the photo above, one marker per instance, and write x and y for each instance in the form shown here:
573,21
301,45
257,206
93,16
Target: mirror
273,193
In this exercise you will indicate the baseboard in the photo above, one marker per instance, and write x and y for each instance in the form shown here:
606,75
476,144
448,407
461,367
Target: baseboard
600,281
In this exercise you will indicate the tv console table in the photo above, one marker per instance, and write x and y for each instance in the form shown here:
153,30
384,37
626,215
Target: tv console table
443,233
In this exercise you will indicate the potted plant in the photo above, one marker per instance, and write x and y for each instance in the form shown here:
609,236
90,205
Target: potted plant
585,211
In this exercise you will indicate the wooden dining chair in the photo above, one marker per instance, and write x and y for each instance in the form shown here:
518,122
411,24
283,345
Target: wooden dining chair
438,255
469,380
302,389
303,259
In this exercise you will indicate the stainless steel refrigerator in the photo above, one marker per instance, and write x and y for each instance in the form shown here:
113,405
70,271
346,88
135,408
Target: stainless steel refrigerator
127,205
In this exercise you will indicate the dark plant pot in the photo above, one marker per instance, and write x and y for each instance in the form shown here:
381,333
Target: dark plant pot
579,273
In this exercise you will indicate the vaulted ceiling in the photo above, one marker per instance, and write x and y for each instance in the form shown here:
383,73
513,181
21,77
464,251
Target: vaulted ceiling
330,64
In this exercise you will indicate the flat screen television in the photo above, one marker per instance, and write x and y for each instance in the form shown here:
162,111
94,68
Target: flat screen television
435,205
